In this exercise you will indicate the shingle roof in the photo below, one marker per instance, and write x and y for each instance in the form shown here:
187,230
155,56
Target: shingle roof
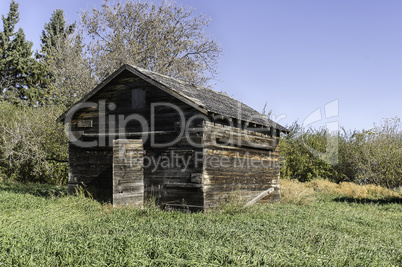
201,97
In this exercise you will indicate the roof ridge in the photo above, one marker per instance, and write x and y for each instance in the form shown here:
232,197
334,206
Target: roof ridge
157,73
186,83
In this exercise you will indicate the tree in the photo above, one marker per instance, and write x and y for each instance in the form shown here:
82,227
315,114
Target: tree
165,38
55,31
19,72
70,72
32,146
68,75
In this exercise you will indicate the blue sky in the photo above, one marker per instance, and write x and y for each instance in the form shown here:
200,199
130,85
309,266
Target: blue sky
295,55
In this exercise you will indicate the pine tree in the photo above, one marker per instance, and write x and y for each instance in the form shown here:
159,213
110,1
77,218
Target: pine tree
20,73
67,73
55,32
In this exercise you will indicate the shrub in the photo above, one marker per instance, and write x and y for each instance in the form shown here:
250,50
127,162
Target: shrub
365,157
33,148
298,162
377,154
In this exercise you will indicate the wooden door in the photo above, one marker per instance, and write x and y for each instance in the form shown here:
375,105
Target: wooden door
128,174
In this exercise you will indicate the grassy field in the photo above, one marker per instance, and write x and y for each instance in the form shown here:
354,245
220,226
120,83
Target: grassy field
315,225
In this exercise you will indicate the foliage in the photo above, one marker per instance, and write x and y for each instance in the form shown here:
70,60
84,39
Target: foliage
165,38
32,146
378,156
73,230
68,73
54,31
295,192
367,157
20,74
300,163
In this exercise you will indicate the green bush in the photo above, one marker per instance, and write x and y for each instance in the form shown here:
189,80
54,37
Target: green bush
33,148
300,163
366,157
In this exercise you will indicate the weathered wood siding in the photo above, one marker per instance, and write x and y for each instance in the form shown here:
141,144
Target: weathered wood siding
128,173
173,178
239,163
91,168
127,95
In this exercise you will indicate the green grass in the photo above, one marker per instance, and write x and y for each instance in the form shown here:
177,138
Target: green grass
42,226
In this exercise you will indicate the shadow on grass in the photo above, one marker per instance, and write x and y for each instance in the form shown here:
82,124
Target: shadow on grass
382,201
38,190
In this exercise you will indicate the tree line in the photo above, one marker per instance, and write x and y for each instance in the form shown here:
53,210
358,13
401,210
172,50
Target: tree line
37,86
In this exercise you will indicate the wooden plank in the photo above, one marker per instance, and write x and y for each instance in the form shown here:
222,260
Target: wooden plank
183,185
259,197
128,175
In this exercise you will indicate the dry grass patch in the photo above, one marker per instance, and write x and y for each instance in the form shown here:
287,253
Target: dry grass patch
324,186
353,190
378,191
293,191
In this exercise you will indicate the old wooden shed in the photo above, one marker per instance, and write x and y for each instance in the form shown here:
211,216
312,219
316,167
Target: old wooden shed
141,135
